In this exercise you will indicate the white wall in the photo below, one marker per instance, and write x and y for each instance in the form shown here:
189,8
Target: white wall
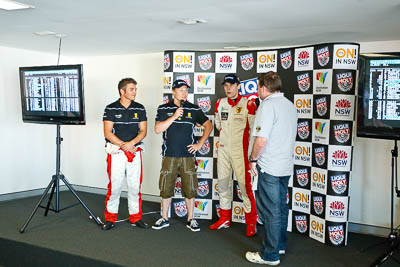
84,159
27,156
27,159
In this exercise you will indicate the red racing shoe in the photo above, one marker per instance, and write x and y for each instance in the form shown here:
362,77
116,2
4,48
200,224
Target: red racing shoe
224,220
251,230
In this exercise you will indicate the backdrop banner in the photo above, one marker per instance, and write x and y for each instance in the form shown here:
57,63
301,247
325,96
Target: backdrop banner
320,80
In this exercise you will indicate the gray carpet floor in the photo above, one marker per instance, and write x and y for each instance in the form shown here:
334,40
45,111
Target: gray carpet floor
72,232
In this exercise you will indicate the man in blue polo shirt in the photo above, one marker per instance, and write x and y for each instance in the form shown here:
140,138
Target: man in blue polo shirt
176,120
125,126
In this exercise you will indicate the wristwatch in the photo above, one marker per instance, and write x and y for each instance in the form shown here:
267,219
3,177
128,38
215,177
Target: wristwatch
253,160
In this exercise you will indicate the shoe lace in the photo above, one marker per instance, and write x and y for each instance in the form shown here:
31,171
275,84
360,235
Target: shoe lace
160,221
194,223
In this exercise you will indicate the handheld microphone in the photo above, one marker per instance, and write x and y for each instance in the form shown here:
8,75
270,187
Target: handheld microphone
182,103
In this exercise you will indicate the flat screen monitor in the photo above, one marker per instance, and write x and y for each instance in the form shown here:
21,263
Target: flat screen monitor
379,96
52,94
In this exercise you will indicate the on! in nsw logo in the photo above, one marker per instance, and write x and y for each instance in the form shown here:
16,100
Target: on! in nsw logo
286,59
336,209
204,103
322,106
301,223
344,81
323,56
342,132
302,176
342,107
303,106
336,234
167,61
303,81
318,204
180,208
320,155
345,56
205,61
303,129
339,158
339,183
247,61
203,188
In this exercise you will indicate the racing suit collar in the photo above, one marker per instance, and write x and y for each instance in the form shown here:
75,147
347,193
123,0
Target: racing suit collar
234,103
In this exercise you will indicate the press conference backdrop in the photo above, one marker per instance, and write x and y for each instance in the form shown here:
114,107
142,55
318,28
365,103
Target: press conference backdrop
320,81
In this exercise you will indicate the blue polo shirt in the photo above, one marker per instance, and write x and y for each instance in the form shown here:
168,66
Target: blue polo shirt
180,133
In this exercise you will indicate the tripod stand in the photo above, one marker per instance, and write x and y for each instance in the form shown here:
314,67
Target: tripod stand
55,182
393,239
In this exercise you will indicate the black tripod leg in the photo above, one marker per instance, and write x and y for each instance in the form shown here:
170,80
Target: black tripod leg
37,206
50,199
77,197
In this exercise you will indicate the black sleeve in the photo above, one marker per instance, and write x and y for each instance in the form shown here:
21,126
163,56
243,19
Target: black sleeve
160,114
201,118
142,114
108,114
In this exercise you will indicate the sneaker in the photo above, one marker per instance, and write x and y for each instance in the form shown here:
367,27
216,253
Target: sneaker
108,225
282,252
256,258
193,225
140,224
221,223
160,223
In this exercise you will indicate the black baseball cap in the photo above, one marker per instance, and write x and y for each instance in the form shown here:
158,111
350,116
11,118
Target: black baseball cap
231,78
179,84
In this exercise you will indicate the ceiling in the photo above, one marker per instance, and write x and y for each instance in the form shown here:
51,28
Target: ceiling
111,27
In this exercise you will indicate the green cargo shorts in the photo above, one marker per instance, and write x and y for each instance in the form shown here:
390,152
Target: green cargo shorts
171,168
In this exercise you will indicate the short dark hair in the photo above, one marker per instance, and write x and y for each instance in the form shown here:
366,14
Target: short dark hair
124,82
271,80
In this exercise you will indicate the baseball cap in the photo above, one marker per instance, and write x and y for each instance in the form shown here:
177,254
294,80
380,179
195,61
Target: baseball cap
231,78
179,84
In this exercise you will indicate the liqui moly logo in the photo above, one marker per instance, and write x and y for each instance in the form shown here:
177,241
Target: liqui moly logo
301,223
167,61
344,81
247,61
203,188
336,234
303,81
303,129
342,132
204,103
302,176
238,192
318,205
248,88
322,106
339,183
205,149
205,61
320,155
323,56
180,208
286,60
